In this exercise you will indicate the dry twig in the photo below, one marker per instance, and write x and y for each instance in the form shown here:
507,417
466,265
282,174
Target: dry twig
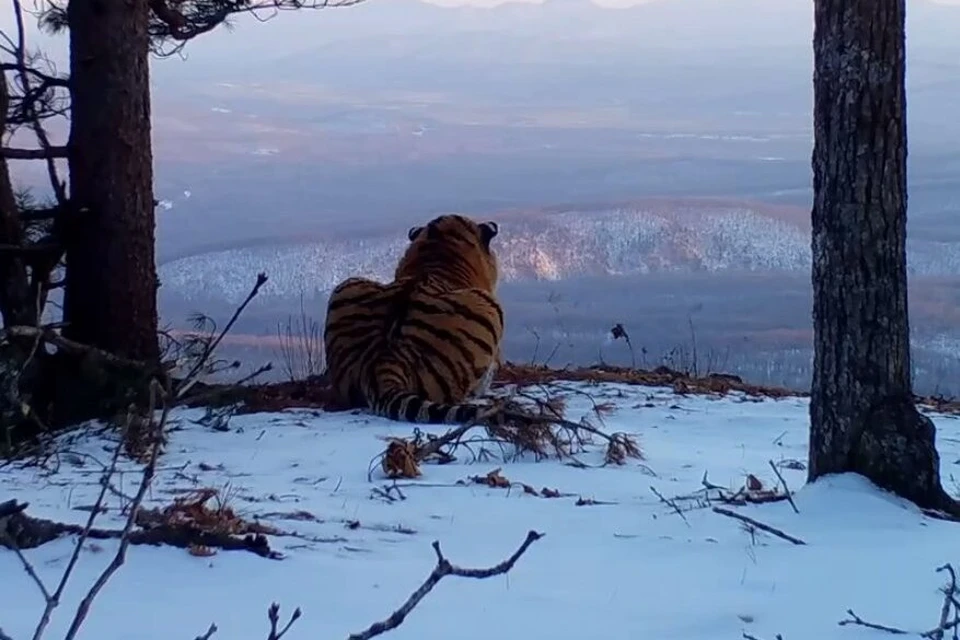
783,483
12,510
212,629
950,605
544,433
752,492
757,524
670,503
157,393
193,376
441,570
273,615
854,619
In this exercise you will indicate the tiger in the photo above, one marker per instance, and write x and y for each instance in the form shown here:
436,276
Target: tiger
418,348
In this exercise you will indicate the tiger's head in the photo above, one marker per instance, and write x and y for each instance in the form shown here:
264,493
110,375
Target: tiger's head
455,248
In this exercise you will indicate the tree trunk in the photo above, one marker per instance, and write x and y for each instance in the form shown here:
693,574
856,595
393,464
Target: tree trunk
110,299
862,413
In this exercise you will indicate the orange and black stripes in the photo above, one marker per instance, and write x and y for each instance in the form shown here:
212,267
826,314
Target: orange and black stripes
417,348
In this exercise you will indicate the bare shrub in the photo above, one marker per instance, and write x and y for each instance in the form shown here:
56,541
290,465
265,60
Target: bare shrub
301,345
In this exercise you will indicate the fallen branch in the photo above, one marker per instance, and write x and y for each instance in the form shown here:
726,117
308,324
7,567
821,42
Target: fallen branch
20,531
670,503
752,492
620,446
506,423
48,334
854,619
746,494
950,604
441,570
758,525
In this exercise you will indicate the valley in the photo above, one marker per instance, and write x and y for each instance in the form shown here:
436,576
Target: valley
648,166
706,284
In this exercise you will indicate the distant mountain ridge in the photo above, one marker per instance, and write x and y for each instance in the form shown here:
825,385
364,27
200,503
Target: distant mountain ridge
645,237
401,28
746,23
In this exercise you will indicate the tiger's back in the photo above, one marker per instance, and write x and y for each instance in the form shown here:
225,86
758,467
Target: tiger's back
417,348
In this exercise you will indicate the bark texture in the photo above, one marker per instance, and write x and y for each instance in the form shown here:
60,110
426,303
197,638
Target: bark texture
863,417
111,291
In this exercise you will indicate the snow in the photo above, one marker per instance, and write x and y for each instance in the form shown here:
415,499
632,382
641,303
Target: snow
631,569
645,238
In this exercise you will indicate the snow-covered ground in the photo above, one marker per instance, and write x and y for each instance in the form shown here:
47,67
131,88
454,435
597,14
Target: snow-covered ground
627,566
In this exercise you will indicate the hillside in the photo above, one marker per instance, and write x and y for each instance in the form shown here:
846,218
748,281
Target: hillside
632,550
647,236
677,134
699,283
389,111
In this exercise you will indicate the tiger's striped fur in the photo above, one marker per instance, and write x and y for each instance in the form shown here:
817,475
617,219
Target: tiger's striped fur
415,349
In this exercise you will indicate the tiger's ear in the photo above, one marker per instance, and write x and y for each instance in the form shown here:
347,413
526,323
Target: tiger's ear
414,232
488,231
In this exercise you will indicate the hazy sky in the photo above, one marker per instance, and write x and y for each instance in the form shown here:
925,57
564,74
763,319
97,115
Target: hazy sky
490,3
6,16
603,3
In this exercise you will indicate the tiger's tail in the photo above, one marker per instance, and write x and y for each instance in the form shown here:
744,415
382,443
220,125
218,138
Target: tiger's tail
404,406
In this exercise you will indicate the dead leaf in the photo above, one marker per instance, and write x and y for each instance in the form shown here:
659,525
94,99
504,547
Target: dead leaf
493,479
201,551
400,459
